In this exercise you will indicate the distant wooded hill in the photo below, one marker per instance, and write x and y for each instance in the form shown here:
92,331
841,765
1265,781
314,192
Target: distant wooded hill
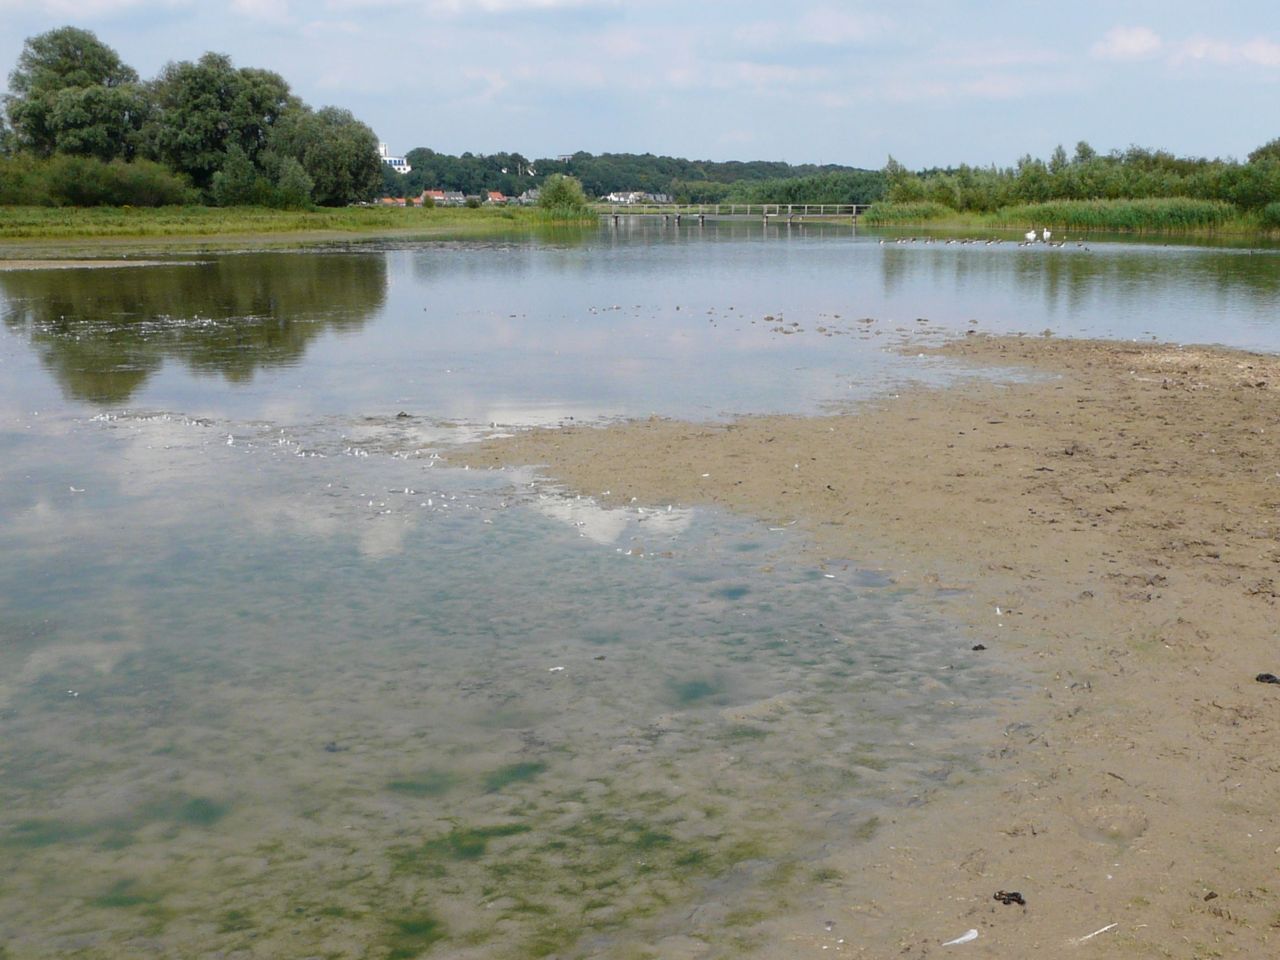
693,181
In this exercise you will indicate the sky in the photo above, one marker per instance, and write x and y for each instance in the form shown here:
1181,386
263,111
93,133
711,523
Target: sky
931,83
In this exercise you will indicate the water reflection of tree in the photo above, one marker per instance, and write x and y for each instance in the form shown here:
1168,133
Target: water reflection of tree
102,333
1071,276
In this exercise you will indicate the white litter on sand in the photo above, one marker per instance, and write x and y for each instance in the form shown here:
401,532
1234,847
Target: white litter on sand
1090,936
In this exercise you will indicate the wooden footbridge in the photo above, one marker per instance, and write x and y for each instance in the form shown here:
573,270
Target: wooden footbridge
702,212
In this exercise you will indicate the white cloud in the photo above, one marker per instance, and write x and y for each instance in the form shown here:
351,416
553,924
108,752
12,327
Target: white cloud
1142,43
456,8
1127,43
514,6
276,11
821,26
834,27
84,9
1258,52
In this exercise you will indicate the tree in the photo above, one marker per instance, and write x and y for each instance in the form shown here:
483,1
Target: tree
1058,161
337,151
100,122
293,186
562,196
206,107
1268,151
71,92
237,183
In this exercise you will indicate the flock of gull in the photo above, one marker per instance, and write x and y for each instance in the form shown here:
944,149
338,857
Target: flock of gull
1029,238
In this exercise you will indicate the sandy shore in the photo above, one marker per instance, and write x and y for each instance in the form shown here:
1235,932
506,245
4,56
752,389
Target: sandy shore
1115,527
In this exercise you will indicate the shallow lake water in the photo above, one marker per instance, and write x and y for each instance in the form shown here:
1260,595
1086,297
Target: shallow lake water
275,682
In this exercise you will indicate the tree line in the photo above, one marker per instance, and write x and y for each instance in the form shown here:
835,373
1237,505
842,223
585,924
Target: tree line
1132,174
83,128
686,181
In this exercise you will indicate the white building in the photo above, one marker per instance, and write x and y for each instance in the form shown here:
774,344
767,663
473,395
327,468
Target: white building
398,164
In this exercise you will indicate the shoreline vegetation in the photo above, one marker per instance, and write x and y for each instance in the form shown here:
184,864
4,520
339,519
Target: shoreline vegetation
22,228
1106,527
1135,190
1174,215
83,131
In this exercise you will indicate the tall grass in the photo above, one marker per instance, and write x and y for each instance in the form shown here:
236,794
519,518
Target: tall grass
1166,215
37,223
66,181
888,214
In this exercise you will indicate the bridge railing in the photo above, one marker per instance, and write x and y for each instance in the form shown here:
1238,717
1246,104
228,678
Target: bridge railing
732,209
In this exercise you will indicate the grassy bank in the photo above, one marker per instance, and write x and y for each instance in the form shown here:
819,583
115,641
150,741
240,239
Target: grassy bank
1170,215
34,224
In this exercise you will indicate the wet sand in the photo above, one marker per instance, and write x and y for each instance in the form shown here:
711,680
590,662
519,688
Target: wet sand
1112,524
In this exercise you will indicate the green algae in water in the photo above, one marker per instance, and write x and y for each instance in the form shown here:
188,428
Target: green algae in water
233,921
866,829
463,843
193,811
741,732
512,774
687,692
123,895
431,783
44,833
117,832
825,875
411,936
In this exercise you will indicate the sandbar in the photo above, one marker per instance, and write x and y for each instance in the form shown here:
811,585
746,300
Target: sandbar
1111,525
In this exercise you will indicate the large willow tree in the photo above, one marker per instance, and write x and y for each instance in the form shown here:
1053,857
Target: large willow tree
70,93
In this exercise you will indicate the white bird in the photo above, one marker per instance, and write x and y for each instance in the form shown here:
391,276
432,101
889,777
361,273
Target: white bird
1047,234
1030,235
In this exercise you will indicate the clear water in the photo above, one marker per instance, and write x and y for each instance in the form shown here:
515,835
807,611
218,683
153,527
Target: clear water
273,682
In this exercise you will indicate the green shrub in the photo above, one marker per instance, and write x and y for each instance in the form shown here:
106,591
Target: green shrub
85,182
237,184
22,181
561,198
918,212
1270,216
1152,215
293,186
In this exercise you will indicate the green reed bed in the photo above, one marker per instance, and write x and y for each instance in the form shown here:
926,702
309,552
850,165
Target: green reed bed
1155,215
37,223
894,214
1165,215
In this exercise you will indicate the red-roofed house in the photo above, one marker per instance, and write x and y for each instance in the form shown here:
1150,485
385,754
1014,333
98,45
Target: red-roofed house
495,196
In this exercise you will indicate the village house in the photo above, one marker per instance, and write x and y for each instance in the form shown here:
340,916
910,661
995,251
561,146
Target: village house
398,164
637,196
443,198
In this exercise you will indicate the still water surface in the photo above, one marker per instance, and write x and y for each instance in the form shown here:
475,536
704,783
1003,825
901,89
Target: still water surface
274,682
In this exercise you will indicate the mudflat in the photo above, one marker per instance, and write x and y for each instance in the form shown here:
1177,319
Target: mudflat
1109,524
71,264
